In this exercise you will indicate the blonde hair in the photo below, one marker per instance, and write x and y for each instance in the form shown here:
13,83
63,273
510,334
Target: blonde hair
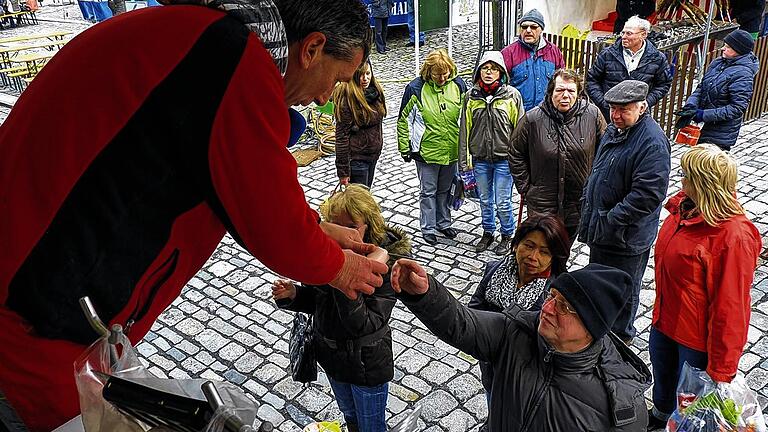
351,95
437,61
357,201
711,175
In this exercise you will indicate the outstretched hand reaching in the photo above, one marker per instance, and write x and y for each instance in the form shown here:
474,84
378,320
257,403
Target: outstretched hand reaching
410,277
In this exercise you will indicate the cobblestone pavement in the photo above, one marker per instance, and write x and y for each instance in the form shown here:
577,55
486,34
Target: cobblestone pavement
225,326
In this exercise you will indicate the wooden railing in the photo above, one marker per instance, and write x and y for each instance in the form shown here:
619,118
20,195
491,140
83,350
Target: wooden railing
580,55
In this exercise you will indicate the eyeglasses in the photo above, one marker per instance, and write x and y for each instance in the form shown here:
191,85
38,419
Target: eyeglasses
529,26
630,33
681,173
489,69
561,307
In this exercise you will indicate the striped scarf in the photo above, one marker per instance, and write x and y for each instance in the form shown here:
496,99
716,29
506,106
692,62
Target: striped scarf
261,17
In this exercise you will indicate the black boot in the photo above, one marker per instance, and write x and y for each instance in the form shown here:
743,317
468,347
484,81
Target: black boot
484,242
655,423
504,245
352,427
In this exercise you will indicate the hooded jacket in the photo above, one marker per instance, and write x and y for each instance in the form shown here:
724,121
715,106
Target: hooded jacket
487,122
703,279
352,340
551,157
534,387
724,94
428,123
530,69
609,69
626,188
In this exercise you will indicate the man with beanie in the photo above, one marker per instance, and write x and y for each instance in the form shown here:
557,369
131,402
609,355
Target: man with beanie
721,98
634,57
559,369
531,60
624,193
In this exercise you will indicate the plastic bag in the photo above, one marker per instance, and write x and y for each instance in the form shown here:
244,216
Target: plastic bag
703,406
456,193
688,135
301,349
470,184
325,426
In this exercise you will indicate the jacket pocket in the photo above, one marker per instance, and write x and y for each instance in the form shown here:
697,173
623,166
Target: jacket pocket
606,234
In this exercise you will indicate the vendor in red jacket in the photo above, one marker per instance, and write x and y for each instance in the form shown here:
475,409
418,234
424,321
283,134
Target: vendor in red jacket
706,256
144,141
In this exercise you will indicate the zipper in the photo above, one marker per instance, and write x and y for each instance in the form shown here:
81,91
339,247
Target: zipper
540,395
157,279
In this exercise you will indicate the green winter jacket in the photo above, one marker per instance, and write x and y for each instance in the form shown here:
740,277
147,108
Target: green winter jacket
428,125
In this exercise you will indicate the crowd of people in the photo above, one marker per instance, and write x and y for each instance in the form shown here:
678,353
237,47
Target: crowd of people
126,205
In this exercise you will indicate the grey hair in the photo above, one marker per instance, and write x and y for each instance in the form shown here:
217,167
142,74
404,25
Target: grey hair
640,23
343,22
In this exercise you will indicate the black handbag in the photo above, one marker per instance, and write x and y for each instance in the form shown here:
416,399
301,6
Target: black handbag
302,350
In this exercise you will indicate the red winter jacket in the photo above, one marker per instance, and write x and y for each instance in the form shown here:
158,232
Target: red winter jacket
703,278
140,144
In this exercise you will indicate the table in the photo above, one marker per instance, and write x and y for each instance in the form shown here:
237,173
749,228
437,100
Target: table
50,36
33,61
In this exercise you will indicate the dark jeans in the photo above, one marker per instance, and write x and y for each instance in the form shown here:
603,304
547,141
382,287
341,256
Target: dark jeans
361,172
634,265
667,359
362,406
9,420
381,34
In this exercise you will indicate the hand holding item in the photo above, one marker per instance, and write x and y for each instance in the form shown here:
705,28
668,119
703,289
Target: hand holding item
410,277
347,238
283,289
359,274
380,254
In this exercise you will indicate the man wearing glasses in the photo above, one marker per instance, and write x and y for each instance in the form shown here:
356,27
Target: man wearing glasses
531,60
631,57
558,369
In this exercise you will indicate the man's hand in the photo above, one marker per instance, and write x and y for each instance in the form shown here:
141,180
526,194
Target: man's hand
380,254
347,238
283,289
359,274
409,276
344,180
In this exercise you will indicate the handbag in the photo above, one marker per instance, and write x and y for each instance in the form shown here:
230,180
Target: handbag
456,193
301,349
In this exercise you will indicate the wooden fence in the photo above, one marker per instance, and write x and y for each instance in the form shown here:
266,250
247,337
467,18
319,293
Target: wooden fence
580,54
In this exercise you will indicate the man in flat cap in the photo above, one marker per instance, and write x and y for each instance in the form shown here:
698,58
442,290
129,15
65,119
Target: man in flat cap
544,360
625,191
631,57
531,60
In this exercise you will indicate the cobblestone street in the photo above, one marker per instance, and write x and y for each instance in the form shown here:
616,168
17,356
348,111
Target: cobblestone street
225,325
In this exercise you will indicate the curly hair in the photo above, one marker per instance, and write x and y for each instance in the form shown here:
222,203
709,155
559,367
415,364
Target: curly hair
358,202
711,175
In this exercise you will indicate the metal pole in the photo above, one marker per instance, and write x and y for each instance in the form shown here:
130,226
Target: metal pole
705,50
416,39
450,28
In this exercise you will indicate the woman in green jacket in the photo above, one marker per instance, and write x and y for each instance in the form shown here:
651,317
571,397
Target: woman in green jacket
428,133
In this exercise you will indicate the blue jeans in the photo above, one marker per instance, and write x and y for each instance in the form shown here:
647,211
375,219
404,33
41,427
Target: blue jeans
667,359
412,28
434,184
634,265
494,184
363,406
361,172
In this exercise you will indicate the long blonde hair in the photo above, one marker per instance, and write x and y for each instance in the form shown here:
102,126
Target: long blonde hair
711,175
351,95
437,60
357,201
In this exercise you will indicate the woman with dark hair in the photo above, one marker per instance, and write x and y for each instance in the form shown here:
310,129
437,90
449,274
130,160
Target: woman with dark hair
540,250
553,147
359,108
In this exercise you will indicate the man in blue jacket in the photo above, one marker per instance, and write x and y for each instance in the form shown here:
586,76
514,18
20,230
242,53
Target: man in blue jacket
631,57
625,192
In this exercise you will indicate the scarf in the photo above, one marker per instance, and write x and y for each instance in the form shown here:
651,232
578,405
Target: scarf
488,89
371,95
261,17
502,289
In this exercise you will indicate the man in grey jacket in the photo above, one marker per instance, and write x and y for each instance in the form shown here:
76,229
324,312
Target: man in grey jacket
558,369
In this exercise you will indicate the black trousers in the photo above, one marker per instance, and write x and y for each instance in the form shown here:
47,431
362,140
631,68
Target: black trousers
627,8
381,34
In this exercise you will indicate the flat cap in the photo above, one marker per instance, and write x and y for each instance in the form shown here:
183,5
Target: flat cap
627,91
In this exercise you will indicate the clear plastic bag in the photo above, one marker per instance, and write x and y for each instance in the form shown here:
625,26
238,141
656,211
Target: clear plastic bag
119,359
704,406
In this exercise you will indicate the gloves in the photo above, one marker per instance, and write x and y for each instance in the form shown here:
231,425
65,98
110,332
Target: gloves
406,157
687,112
683,122
358,275
699,116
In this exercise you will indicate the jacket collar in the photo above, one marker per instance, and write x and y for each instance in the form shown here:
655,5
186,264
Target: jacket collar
674,205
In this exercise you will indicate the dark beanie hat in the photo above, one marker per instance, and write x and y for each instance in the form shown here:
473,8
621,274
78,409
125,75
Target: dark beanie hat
532,15
740,41
598,293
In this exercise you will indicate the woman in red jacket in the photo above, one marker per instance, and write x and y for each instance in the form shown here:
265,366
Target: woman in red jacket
706,256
